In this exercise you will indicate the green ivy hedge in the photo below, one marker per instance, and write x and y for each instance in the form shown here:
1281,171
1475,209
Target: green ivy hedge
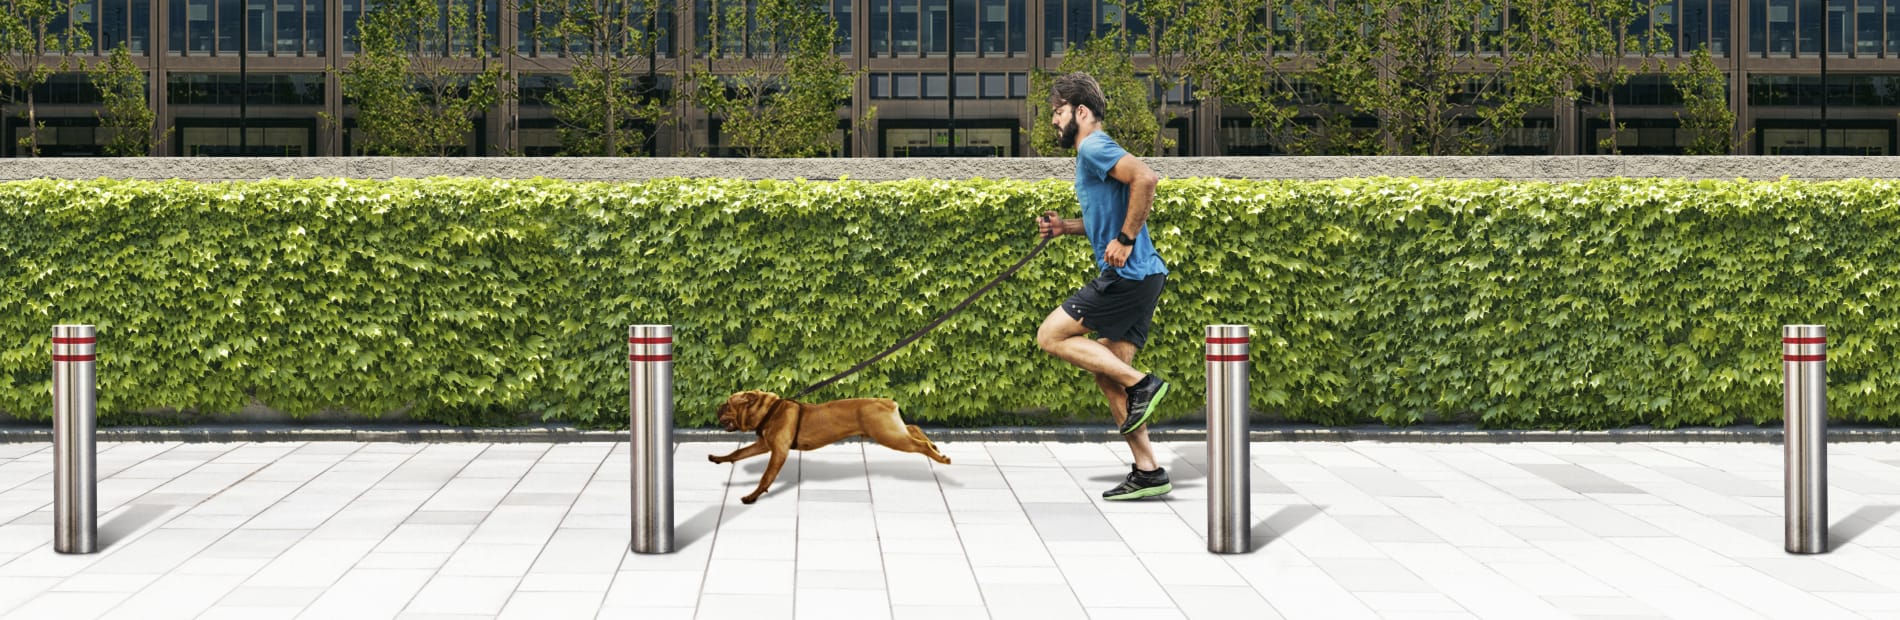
1517,304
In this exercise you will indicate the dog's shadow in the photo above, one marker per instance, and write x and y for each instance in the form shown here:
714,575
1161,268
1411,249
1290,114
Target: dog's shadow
754,468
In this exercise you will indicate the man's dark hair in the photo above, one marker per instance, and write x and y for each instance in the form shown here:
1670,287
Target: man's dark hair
1081,90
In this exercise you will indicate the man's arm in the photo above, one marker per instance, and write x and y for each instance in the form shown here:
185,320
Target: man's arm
1141,182
1053,225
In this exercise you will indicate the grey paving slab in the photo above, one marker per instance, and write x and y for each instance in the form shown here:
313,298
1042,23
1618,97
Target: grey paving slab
1013,530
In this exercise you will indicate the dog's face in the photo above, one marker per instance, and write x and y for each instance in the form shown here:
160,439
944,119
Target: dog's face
743,411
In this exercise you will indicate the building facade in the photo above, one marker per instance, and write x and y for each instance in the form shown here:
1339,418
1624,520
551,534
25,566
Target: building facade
914,55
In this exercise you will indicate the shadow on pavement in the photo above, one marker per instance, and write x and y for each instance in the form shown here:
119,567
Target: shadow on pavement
125,523
1282,522
696,527
1867,518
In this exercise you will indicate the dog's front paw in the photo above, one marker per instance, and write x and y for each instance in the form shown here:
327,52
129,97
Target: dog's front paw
749,499
713,457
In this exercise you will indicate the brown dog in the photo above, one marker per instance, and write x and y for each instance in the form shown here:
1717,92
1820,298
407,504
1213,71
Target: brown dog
784,424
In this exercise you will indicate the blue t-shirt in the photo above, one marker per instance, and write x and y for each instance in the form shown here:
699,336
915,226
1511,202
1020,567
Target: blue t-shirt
1105,206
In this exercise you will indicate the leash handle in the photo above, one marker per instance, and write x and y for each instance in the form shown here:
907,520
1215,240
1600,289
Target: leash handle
933,324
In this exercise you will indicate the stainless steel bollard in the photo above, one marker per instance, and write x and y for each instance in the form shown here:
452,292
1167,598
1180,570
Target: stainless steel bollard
1804,445
75,412
650,397
1229,521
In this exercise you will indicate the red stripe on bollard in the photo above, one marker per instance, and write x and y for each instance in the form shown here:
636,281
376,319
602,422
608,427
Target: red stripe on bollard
1226,358
59,340
1804,358
659,340
651,358
72,358
1227,341
1821,340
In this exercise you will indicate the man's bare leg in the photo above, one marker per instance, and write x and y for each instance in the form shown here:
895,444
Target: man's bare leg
1067,339
1118,405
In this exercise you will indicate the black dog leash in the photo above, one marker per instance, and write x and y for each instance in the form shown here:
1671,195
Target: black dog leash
933,324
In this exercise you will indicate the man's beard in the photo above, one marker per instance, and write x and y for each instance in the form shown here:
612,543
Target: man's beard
1066,137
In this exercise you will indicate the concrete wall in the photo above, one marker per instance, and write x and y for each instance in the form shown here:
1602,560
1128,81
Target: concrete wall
1549,168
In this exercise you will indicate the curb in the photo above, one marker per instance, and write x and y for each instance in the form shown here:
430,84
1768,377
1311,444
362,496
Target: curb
1059,434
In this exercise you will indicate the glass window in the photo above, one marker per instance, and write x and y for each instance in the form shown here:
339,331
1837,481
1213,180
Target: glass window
199,20
141,31
1719,30
966,26
907,85
313,27
936,86
841,13
995,14
995,86
228,25
936,22
1893,27
966,86
1808,23
1019,85
880,86
1695,25
1758,27
904,36
1018,27
880,27
1052,30
1839,29
1081,20
352,11
1866,28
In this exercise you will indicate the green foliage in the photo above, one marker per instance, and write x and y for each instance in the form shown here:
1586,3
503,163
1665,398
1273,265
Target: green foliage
1130,119
27,39
126,114
782,97
609,42
1586,43
1704,89
1516,304
411,84
1426,69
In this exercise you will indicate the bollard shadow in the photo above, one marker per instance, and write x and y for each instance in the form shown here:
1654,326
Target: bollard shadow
697,527
1283,522
1867,518
122,525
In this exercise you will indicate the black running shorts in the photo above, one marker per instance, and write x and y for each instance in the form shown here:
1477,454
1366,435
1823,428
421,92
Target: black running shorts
1117,308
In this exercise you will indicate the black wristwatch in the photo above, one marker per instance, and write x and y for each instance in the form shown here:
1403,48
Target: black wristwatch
1123,237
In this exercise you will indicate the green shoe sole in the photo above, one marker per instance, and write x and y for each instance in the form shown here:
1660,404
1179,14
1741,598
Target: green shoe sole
1148,492
1150,411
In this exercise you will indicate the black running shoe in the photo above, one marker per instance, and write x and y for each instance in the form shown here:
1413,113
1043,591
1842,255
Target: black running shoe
1140,484
1143,397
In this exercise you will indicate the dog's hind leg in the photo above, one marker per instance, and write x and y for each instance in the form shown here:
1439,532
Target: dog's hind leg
757,448
771,471
911,440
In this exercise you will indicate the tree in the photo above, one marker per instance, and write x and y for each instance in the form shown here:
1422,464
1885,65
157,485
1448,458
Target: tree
1589,41
609,42
1704,88
30,30
420,81
126,113
781,95
1441,76
1128,117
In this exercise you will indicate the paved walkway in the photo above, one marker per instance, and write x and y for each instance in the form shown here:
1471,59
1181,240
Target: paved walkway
1011,530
